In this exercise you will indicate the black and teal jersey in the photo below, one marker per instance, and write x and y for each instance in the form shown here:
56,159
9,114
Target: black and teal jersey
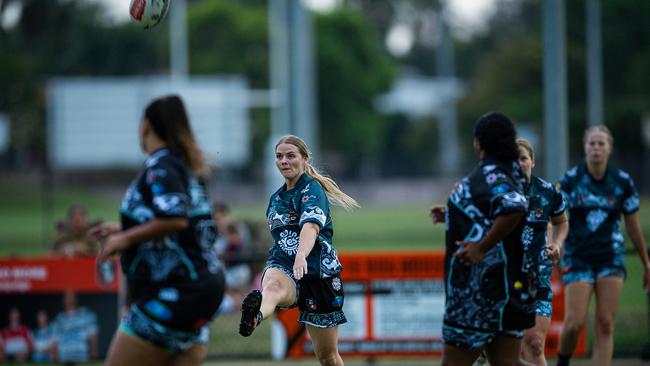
545,201
492,295
595,208
287,212
166,189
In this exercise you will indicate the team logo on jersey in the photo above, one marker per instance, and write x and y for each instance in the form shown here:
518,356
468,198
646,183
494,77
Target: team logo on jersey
311,304
595,218
336,284
289,242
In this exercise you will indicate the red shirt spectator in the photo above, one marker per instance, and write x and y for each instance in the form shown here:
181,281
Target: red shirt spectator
16,338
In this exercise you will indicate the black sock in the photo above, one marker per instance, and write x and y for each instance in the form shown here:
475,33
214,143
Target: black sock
563,360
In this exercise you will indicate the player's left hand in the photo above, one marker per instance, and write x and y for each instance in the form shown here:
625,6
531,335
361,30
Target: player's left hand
114,243
300,266
553,252
470,252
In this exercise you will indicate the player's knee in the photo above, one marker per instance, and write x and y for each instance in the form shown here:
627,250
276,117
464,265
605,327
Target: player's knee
535,344
573,326
605,325
328,358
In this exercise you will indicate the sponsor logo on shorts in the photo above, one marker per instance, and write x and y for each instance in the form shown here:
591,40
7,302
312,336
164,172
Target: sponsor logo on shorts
338,301
311,304
336,284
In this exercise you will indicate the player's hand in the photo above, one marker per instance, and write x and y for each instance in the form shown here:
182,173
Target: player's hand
114,243
437,213
470,252
553,252
300,266
102,230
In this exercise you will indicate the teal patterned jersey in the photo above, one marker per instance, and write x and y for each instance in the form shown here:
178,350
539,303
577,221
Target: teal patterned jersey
544,202
595,208
287,212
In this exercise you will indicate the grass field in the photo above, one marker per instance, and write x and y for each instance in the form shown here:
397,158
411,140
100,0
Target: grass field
26,228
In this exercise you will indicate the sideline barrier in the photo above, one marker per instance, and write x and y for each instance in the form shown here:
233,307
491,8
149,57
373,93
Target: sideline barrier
38,283
394,303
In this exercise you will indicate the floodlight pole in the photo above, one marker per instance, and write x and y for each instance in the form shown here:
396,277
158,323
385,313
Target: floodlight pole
594,64
555,90
292,78
178,50
448,148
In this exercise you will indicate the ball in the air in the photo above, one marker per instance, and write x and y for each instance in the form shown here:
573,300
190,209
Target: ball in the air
148,13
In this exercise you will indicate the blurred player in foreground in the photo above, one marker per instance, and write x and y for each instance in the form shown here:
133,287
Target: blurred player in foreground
166,240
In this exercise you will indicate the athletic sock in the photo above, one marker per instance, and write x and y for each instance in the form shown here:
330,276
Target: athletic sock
563,360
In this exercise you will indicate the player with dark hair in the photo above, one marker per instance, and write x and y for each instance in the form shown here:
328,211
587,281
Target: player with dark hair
593,261
542,247
166,240
303,268
488,301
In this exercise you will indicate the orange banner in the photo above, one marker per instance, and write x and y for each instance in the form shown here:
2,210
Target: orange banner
394,303
56,274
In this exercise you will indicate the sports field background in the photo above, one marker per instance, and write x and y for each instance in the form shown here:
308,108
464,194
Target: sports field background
370,228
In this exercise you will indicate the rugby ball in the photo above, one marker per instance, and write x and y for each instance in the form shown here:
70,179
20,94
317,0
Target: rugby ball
148,13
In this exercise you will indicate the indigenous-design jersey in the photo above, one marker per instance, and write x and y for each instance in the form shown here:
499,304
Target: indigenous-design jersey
167,189
595,208
287,212
545,201
492,295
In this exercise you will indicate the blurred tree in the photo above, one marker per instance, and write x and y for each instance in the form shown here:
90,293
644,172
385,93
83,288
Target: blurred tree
353,69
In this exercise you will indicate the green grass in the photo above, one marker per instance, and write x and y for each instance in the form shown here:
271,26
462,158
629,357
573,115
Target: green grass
25,229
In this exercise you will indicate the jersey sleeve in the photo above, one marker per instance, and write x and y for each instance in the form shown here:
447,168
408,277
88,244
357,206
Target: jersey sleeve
559,202
169,190
314,206
631,197
565,185
505,198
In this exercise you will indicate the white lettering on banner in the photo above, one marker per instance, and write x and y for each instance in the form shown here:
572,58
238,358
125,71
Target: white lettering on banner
32,273
15,286
355,312
23,273
408,309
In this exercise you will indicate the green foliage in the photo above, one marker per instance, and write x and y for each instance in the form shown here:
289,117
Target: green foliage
352,69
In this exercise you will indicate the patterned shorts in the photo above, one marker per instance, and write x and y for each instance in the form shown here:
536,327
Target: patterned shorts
472,339
320,300
590,275
137,323
543,308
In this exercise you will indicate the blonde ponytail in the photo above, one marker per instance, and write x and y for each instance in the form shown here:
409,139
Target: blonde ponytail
335,195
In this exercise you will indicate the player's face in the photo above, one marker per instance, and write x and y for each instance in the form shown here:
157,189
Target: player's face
289,161
525,162
597,147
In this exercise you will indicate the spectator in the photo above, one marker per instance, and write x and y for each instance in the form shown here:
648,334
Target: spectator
75,332
238,272
72,235
221,215
43,339
16,339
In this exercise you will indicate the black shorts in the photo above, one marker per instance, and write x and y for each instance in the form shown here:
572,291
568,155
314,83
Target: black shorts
182,306
321,302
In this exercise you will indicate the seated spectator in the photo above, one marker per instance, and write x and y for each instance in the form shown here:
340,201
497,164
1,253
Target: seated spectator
238,273
43,339
16,339
72,237
75,332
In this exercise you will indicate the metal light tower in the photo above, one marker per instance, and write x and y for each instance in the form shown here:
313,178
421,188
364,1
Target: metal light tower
555,90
